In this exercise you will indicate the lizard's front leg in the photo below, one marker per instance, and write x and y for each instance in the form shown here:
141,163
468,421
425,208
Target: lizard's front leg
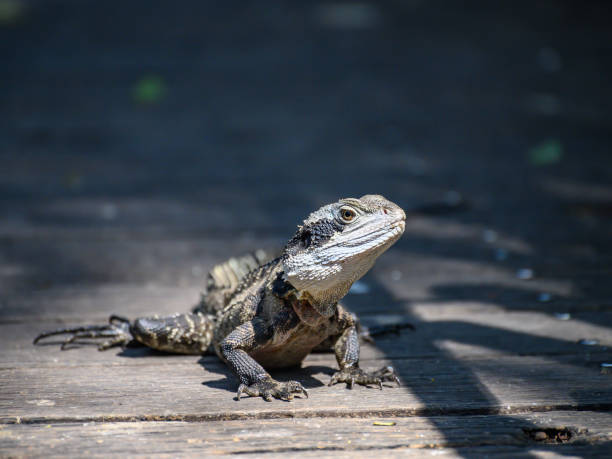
347,356
254,380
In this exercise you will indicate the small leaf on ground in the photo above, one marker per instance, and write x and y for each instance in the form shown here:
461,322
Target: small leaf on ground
11,11
547,152
149,89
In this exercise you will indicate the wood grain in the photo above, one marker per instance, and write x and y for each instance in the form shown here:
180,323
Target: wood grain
292,436
98,391
112,205
451,332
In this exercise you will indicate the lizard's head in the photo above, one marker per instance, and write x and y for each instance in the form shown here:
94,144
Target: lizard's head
339,243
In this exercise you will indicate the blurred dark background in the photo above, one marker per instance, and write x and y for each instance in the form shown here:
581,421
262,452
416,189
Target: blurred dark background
156,127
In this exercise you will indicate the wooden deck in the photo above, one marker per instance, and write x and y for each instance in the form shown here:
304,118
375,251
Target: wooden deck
143,142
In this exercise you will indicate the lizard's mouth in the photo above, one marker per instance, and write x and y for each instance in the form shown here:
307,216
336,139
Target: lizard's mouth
373,239
397,229
399,224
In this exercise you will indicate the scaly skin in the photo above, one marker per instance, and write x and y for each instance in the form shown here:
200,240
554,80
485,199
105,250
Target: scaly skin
264,312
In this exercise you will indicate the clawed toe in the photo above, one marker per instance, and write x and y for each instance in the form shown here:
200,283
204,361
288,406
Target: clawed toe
387,374
117,334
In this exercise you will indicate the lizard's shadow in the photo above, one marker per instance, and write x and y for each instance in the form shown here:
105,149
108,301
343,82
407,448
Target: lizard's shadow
306,375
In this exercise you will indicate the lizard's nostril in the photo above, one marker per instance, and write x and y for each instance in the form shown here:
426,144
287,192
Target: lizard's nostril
385,211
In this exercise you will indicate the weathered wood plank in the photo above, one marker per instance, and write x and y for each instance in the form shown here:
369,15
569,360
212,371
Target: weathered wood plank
187,391
168,260
85,289
507,452
97,302
97,189
303,435
175,259
441,335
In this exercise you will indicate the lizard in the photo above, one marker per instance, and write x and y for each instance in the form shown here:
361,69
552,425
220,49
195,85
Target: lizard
262,312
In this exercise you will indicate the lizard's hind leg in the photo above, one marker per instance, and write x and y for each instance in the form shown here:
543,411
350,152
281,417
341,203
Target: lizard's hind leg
117,333
179,333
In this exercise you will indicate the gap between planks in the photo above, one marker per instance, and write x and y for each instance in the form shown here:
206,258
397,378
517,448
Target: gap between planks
603,408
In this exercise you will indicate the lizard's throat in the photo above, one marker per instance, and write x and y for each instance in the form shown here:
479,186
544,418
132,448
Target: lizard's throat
324,286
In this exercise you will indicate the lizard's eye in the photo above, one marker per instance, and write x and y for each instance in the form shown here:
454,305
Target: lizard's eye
347,214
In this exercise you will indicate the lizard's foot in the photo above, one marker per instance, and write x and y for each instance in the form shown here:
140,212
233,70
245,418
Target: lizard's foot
352,375
268,388
117,333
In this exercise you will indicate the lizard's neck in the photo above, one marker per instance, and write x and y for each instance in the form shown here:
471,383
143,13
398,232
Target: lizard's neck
324,280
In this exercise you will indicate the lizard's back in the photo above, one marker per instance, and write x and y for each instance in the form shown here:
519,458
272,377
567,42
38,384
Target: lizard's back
225,278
